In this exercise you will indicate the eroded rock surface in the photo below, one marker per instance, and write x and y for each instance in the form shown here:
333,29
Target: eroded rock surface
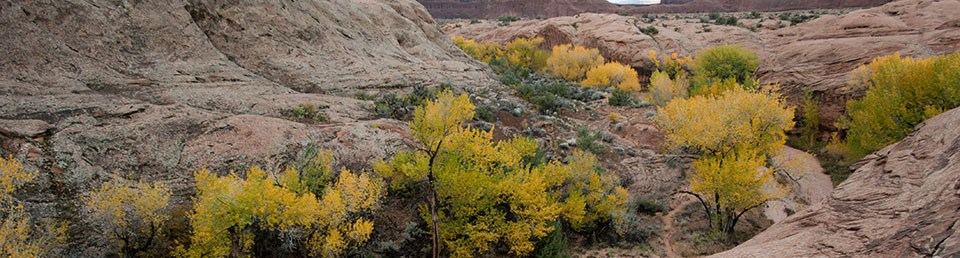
816,55
902,201
153,90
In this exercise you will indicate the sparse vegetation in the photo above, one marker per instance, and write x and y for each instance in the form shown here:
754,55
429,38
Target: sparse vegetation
308,112
650,31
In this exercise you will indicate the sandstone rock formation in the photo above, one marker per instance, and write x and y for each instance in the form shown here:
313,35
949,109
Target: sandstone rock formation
491,9
901,202
821,53
818,54
153,90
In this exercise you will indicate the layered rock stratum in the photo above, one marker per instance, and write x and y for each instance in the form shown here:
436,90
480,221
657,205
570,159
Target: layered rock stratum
902,201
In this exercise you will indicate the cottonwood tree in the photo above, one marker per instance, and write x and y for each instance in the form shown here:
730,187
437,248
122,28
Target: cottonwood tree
572,63
264,215
483,193
130,217
613,75
734,133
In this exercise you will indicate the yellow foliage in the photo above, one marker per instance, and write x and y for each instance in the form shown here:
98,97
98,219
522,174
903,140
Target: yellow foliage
901,92
18,236
573,62
487,195
613,75
718,124
673,64
127,213
615,117
663,89
480,51
231,207
526,52
735,131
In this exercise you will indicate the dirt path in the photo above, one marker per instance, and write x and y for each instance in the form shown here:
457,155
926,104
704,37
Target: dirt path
668,229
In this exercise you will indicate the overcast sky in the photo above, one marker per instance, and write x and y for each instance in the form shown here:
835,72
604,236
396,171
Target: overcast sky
634,1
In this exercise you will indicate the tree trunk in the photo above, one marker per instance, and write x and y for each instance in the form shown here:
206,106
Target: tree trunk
434,218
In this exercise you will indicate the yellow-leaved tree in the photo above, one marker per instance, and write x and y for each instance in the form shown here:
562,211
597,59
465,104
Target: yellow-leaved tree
526,52
263,215
19,237
480,51
129,217
613,75
572,63
482,193
901,92
663,89
734,133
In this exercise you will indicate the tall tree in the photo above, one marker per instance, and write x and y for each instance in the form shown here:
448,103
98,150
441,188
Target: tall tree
734,133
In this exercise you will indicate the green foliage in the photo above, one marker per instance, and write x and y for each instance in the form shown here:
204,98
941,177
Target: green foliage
264,215
548,94
130,217
753,15
724,62
400,107
308,112
554,245
726,20
590,141
650,31
620,98
506,20
901,93
796,18
486,195
809,122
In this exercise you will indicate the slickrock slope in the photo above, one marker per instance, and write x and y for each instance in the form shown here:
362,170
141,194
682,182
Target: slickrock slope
97,90
821,53
818,54
902,201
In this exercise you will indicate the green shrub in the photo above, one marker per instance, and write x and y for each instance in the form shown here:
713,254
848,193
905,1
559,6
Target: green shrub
308,112
401,107
620,97
590,141
548,94
650,31
723,62
553,245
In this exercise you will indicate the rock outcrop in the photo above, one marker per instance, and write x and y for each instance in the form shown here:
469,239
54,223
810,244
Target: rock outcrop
491,9
820,54
97,90
815,55
902,201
